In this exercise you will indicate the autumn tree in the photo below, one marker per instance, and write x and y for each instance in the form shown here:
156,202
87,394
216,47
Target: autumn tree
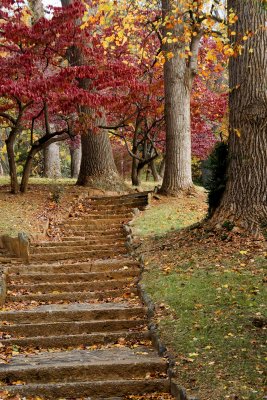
51,153
244,202
40,90
184,24
97,164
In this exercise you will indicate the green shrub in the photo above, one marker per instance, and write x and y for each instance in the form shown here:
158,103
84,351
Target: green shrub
217,166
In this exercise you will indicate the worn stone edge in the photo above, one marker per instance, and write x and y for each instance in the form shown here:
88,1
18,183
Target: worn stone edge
18,246
3,289
177,391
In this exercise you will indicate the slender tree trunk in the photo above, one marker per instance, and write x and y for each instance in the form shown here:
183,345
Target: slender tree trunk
51,153
27,170
178,83
10,142
154,171
52,161
148,172
135,174
162,167
76,156
244,202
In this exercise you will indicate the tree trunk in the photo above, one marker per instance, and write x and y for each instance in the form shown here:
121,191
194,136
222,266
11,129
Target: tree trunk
76,156
98,167
178,84
51,154
52,161
162,167
244,202
10,142
154,171
135,174
37,10
27,170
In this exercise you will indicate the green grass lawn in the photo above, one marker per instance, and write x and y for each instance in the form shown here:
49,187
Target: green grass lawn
210,299
5,180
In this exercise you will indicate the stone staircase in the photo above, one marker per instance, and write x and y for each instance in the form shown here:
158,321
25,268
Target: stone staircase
74,316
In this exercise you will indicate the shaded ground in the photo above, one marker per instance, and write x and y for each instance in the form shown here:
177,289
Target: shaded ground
47,199
210,298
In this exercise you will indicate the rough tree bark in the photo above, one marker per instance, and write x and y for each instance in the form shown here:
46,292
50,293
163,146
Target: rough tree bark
98,167
244,202
76,156
162,167
178,83
136,174
154,171
52,161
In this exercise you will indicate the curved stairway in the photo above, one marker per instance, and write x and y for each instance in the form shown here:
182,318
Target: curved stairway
75,316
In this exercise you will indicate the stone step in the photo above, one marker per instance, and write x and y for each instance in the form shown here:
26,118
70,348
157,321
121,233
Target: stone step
130,196
69,340
94,226
80,267
96,390
109,213
87,235
117,202
52,287
83,365
82,242
75,312
81,248
96,218
72,327
106,295
103,232
109,208
72,277
76,255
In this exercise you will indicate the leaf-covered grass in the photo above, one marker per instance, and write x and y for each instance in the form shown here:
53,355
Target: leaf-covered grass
5,180
168,215
29,212
210,300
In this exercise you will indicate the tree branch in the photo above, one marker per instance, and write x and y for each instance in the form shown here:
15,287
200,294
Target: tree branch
8,117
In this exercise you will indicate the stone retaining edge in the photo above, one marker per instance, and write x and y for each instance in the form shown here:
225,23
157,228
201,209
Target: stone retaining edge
177,391
2,287
17,246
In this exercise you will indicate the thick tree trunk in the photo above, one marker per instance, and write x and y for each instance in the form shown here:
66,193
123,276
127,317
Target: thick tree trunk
245,199
37,10
10,142
98,168
76,156
52,161
178,83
